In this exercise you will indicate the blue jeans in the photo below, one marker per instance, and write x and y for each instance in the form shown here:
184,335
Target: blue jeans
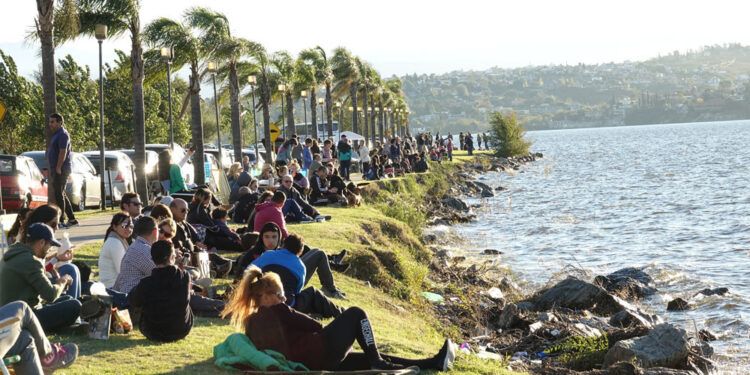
24,338
293,211
70,269
61,313
344,166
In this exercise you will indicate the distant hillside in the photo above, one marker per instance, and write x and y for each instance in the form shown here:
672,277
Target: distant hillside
711,83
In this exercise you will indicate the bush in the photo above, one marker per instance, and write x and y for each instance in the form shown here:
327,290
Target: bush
508,135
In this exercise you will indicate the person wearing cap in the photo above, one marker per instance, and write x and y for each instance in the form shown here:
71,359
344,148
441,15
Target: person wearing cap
164,297
22,278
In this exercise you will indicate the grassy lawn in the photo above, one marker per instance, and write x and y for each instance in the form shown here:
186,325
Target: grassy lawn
463,156
403,326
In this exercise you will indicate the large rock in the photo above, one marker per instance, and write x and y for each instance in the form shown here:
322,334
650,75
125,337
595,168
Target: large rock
715,291
665,346
628,283
577,294
487,193
633,319
678,304
512,317
455,204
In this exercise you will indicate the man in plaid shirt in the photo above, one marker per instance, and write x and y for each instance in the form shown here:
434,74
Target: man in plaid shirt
137,263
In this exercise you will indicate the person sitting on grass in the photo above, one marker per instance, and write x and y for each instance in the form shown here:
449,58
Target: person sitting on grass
219,215
273,211
287,187
301,182
287,264
131,204
322,192
116,243
23,335
22,279
186,240
243,180
160,212
316,163
421,166
164,297
245,204
258,307
199,214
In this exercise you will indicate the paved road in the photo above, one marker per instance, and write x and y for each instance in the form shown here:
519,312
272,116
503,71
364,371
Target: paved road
90,229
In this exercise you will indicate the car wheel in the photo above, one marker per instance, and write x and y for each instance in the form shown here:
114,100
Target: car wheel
82,201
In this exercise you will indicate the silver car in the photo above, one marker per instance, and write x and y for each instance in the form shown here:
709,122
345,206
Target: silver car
83,186
121,172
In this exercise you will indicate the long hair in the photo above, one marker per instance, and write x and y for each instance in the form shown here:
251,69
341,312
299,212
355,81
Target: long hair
165,162
117,219
42,214
245,300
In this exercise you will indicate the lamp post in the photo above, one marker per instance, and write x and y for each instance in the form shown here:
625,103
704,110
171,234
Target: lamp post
282,90
321,103
167,54
385,121
303,94
252,81
213,68
101,33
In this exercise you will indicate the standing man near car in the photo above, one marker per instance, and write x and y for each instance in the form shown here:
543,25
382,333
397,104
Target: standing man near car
58,156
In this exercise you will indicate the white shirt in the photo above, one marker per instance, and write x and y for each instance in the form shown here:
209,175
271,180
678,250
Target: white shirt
110,258
364,154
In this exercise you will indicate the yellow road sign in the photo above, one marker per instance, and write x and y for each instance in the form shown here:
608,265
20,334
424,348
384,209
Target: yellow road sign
3,111
275,131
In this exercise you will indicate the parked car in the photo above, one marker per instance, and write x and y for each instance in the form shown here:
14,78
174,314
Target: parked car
83,185
121,173
22,183
227,156
178,154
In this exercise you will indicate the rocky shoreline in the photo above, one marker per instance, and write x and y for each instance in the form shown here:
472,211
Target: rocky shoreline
575,326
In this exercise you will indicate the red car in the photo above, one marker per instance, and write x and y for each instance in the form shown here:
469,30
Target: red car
21,183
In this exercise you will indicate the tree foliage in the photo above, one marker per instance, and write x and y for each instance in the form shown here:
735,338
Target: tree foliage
508,135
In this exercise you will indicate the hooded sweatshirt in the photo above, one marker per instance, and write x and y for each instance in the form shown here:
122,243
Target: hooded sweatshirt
242,180
269,212
165,299
22,278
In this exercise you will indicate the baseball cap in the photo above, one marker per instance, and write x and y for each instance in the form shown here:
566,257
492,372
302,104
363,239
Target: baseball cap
41,231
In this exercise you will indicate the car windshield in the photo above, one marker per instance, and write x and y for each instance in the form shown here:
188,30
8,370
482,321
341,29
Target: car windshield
7,167
111,162
40,160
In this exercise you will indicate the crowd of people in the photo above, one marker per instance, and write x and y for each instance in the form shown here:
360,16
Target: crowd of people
160,262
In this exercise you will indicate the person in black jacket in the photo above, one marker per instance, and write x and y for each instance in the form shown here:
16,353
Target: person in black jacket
164,297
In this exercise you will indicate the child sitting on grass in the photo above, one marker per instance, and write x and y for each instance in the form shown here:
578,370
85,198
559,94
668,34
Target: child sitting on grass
164,297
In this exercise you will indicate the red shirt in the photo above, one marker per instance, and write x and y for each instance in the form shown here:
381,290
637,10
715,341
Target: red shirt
269,212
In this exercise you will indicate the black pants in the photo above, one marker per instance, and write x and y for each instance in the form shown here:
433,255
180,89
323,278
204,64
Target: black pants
313,301
344,166
339,336
222,243
58,182
316,261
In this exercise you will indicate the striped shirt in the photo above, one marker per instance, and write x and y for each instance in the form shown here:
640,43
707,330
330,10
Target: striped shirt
135,265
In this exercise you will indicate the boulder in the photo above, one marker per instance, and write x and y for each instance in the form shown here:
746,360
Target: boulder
455,204
482,185
633,319
678,304
487,193
500,188
706,335
628,283
665,346
577,294
714,292
511,317
491,252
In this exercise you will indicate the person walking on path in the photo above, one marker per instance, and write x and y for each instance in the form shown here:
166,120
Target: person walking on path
58,156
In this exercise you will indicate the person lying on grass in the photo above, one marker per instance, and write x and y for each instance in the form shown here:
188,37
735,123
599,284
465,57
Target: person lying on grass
258,306
287,264
164,297
316,261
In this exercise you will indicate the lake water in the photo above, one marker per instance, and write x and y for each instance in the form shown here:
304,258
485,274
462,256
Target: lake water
673,198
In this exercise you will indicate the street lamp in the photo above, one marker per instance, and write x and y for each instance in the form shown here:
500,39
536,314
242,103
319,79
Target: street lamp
320,104
252,81
101,33
282,90
167,54
303,94
213,68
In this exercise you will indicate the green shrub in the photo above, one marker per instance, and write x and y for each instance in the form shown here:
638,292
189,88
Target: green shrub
508,135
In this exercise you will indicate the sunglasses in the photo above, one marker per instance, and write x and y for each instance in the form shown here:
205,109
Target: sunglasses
136,203
287,181
126,225
167,234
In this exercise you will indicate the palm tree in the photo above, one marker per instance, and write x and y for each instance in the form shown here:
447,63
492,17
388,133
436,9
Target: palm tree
121,16
284,65
375,88
189,49
325,75
260,67
346,77
306,79
395,88
217,34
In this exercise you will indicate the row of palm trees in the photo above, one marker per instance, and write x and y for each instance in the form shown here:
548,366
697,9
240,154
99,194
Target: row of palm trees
204,35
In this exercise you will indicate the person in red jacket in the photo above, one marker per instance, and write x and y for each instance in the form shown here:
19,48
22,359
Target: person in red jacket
258,307
270,212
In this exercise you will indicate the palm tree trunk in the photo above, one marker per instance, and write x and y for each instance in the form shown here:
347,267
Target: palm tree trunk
196,126
366,127
265,100
393,124
373,130
44,29
234,93
139,117
290,128
380,121
329,109
355,114
314,113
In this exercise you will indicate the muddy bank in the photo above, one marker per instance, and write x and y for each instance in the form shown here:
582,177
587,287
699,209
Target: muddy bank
575,325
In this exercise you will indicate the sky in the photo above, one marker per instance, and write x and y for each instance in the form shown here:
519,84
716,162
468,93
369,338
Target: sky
419,36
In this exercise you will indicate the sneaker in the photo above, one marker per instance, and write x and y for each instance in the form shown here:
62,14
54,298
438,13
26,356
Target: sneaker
339,267
62,356
62,225
339,258
320,218
92,308
222,270
328,217
447,355
335,293
307,220
72,223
